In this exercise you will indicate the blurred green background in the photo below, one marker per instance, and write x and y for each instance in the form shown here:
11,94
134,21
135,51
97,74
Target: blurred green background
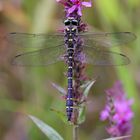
29,91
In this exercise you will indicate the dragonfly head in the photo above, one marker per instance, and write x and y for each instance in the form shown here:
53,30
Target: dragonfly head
71,21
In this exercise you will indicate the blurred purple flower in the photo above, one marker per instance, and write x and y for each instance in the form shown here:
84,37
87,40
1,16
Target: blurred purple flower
122,115
80,57
73,6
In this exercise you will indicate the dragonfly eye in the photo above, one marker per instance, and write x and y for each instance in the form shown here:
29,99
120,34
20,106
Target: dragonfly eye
67,22
75,22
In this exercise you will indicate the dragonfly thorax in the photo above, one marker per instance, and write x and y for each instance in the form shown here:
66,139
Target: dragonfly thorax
71,25
71,30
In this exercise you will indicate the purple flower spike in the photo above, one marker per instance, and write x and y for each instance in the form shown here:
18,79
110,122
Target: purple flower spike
118,111
77,6
74,6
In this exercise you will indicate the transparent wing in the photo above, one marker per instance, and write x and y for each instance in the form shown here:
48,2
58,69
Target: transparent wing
107,39
42,57
104,58
35,40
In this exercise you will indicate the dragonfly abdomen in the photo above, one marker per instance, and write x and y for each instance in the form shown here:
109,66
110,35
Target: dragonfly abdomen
69,102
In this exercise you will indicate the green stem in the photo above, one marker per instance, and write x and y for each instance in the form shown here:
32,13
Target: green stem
75,132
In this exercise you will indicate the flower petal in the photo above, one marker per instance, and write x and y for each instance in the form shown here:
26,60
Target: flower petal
87,4
79,11
73,1
71,10
104,115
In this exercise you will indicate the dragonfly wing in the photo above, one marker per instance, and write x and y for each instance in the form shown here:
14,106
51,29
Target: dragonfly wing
104,58
26,40
107,39
42,57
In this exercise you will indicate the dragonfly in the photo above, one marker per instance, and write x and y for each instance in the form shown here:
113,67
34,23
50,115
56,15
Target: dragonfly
46,49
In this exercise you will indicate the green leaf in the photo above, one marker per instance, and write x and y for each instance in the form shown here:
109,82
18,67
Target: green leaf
60,89
60,114
87,89
82,115
85,84
82,109
46,129
118,138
